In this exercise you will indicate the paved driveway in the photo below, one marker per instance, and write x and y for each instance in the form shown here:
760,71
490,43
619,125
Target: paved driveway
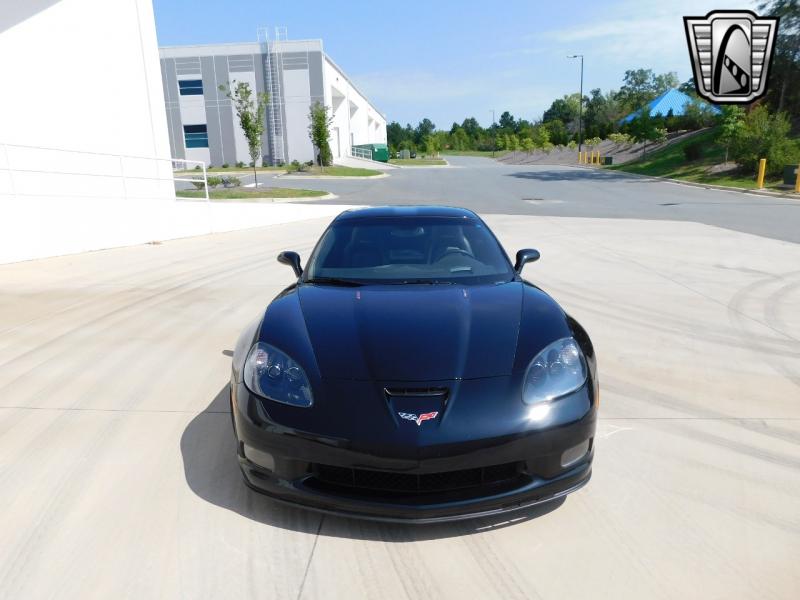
487,186
117,469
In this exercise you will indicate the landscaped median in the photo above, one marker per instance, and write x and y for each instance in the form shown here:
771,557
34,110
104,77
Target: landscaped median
332,171
251,195
418,162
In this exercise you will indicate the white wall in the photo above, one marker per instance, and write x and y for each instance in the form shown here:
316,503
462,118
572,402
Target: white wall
355,117
297,103
85,77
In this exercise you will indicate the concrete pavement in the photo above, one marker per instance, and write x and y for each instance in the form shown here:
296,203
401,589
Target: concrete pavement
117,468
489,187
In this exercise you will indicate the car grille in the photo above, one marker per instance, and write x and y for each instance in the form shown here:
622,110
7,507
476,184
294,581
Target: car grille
389,481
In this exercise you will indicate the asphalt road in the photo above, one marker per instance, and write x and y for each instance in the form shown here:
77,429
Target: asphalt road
117,469
486,186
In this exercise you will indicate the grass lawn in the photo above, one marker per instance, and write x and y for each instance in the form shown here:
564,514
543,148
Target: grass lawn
337,171
231,170
671,162
250,194
484,153
417,162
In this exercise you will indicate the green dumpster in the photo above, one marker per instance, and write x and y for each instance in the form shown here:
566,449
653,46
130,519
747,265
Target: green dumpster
379,152
790,174
608,160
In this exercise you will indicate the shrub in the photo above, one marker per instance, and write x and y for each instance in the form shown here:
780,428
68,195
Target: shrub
660,134
225,165
214,181
240,165
693,151
200,185
231,181
572,145
620,138
197,167
209,167
765,135
293,166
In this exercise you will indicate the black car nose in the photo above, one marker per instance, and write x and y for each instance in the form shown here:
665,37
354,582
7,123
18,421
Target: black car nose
417,407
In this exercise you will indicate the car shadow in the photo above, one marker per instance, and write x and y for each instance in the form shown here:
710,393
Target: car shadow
211,469
578,175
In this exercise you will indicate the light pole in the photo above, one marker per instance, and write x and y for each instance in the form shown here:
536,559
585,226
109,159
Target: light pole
580,105
494,135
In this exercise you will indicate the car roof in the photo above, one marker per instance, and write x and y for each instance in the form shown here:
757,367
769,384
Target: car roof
407,211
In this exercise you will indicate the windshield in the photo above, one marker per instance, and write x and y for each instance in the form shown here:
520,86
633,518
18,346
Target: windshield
409,249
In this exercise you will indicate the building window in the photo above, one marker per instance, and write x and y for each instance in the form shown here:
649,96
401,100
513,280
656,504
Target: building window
191,87
195,136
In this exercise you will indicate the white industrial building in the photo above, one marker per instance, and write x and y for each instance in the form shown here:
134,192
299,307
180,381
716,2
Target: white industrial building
294,73
85,149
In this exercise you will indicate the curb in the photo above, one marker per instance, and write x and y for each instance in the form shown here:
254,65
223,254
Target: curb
330,177
711,186
707,186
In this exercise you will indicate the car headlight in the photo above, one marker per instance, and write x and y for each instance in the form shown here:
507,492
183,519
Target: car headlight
556,371
272,374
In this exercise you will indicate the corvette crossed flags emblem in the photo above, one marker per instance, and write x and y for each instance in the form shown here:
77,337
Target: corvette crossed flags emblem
418,419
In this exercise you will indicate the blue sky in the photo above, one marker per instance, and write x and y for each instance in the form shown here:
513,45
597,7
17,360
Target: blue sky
447,59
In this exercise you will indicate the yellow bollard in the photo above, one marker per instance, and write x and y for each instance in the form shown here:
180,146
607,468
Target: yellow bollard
762,169
596,157
797,181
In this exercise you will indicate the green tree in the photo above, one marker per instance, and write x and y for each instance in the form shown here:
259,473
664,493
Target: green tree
527,145
507,121
731,126
644,129
431,145
250,110
784,88
423,130
557,132
564,109
319,131
540,136
394,134
765,135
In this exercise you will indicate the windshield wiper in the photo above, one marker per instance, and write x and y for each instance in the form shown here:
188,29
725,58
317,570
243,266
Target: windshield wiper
426,282
335,281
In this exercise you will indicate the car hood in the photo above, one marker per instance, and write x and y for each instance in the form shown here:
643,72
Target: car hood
413,332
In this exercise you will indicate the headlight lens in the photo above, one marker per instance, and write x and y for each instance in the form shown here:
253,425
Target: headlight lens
272,374
556,371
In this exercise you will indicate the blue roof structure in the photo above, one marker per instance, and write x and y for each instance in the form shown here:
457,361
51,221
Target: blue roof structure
673,100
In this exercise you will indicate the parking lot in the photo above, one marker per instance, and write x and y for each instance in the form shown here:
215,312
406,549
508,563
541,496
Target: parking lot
118,475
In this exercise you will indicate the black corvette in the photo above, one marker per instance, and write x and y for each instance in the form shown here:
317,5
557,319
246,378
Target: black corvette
411,374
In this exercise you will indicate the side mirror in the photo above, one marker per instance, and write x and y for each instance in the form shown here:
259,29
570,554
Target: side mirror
525,256
292,259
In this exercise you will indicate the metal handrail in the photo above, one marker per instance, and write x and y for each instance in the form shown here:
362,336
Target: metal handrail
176,164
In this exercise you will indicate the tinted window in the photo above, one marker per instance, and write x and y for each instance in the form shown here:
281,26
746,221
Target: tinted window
195,136
191,87
392,250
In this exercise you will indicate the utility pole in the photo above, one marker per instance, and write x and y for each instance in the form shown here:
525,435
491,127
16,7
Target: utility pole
580,105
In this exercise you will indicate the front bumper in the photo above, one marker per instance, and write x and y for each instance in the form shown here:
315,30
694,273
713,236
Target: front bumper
283,462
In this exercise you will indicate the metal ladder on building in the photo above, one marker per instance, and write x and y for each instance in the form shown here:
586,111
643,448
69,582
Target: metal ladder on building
274,84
